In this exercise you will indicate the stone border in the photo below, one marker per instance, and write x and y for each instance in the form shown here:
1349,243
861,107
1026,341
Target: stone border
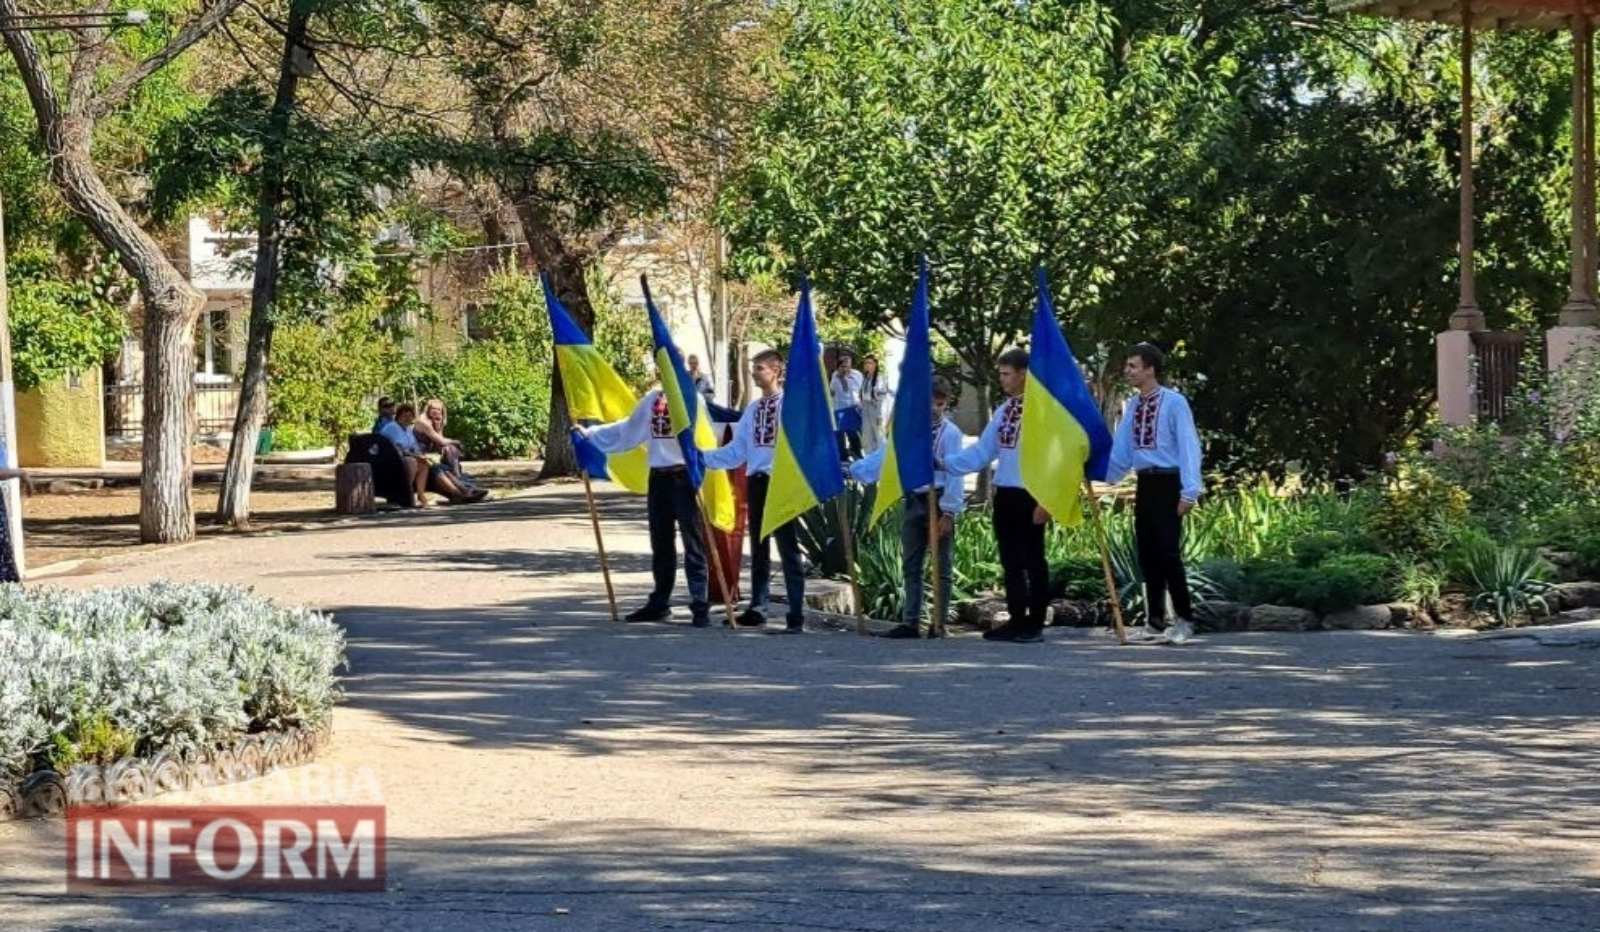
47,793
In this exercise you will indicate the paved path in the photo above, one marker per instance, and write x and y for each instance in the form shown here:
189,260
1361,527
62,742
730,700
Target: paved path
545,769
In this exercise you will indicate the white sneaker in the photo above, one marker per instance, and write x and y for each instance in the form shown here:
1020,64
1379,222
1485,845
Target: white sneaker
1179,631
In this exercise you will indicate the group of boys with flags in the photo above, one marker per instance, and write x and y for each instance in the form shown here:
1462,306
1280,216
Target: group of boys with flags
1046,440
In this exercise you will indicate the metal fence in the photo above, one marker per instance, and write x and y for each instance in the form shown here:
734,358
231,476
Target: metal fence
214,405
1499,363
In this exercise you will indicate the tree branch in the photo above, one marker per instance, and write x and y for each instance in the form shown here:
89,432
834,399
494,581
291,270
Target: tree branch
35,74
117,91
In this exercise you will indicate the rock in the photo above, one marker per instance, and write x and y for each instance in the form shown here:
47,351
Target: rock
984,613
1073,613
1455,610
1570,595
1360,618
1568,565
827,595
1408,615
1282,618
1221,616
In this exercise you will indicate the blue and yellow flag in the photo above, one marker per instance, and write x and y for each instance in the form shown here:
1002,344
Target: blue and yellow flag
1064,438
691,422
805,464
908,457
595,395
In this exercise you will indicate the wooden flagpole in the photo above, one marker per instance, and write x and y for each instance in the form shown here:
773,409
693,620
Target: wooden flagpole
600,544
1105,560
847,535
706,530
936,623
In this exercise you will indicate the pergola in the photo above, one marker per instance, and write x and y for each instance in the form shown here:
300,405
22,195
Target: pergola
1579,323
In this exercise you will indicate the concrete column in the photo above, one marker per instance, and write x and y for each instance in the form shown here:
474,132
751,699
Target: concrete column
1467,315
1458,402
1580,310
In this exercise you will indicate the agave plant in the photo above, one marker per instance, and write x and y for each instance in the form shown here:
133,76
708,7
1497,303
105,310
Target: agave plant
1510,582
821,535
1130,576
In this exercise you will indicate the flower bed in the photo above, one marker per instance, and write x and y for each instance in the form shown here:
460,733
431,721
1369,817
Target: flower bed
159,686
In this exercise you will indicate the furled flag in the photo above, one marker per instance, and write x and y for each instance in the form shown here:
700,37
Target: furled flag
1064,438
595,395
691,421
805,464
908,457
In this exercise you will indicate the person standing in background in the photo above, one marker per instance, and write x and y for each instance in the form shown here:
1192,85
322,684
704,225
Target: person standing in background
874,394
702,382
845,386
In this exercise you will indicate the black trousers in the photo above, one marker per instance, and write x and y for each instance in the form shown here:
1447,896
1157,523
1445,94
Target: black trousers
794,572
1158,533
672,504
1027,574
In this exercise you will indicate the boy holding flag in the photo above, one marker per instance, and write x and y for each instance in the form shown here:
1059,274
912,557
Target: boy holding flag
947,441
754,444
1018,520
676,427
1047,449
671,505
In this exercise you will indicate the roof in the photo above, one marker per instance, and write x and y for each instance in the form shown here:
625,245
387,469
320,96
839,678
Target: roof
1486,14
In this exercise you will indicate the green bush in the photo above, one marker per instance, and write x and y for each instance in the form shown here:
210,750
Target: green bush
1341,581
326,371
498,398
59,324
1351,579
1419,513
291,437
1078,578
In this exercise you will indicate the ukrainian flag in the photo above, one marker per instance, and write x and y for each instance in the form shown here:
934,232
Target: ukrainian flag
805,465
1064,438
908,458
691,421
595,395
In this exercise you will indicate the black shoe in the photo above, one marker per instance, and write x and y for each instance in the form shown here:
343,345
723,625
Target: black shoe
649,613
1018,634
936,631
902,632
795,627
702,621
750,618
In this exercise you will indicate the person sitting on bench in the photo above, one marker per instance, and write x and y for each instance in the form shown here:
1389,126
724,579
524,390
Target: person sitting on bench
418,469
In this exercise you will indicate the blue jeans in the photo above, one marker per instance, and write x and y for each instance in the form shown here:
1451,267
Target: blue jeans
794,573
914,548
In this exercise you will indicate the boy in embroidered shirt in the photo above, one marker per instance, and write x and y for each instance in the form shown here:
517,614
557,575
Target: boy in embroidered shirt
1156,440
754,443
671,503
1018,520
947,441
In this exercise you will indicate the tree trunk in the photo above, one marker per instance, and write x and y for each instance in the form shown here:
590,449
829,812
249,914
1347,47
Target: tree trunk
233,505
166,514
171,309
566,268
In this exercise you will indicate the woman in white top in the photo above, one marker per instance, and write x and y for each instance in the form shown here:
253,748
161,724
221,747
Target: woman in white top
874,393
846,389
